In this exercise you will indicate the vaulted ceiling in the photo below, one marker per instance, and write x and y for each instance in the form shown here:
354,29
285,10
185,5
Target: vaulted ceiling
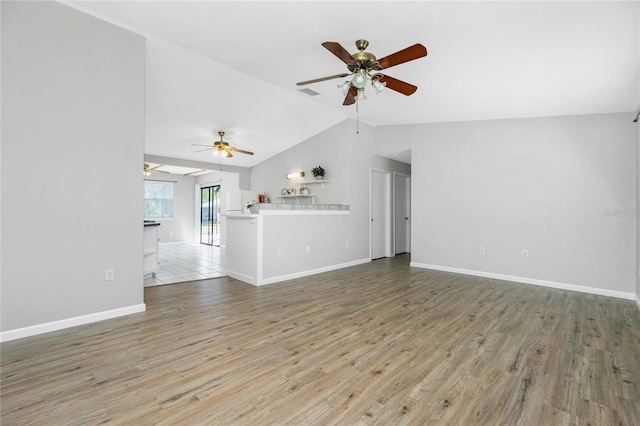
233,65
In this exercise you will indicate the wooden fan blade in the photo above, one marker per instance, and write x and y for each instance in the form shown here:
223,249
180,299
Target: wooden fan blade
405,55
398,85
239,150
339,51
350,99
331,77
196,172
156,169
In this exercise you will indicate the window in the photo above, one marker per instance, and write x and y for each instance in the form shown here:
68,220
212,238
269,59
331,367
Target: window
158,200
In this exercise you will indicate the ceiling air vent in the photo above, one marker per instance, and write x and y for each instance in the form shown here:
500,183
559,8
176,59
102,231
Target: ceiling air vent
309,92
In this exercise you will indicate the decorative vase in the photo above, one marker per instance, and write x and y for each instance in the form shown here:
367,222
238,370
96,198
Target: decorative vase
319,177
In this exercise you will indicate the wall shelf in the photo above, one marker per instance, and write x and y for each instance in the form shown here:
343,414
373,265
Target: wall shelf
320,181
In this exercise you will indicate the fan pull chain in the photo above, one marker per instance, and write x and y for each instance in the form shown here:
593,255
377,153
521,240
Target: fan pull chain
357,118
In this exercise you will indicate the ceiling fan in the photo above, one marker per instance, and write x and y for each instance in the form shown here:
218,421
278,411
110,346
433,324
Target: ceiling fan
148,169
364,66
221,148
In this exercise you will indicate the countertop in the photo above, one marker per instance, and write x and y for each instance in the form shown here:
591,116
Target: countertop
294,209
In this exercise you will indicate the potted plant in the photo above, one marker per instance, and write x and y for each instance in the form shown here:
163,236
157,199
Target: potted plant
253,207
318,172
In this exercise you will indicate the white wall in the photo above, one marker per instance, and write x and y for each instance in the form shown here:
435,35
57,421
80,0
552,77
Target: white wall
181,226
554,186
330,149
72,150
347,158
637,269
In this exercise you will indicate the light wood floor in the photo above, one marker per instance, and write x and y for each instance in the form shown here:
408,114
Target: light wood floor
380,343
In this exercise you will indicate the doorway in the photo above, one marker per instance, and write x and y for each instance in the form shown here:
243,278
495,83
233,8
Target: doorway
210,215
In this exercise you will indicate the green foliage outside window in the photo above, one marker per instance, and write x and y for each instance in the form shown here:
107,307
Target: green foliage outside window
158,200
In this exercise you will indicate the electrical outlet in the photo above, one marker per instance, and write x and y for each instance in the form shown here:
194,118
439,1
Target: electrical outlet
280,253
525,253
109,275
171,234
346,244
481,250
308,250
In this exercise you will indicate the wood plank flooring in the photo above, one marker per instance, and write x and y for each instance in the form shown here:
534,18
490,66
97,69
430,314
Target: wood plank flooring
379,343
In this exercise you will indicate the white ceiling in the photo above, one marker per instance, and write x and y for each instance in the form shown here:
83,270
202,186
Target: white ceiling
233,65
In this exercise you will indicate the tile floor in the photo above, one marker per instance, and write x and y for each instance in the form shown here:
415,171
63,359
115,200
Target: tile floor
190,261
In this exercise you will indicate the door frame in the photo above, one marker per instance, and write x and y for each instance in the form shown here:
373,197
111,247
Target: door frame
214,211
196,205
387,192
407,201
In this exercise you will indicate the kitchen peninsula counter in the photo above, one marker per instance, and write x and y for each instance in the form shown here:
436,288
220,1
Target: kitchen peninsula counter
272,208
286,241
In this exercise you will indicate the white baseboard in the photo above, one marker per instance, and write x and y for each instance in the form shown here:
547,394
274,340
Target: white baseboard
638,300
33,330
242,277
301,274
534,281
169,243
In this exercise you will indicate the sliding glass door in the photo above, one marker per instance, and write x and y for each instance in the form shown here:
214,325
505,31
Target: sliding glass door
210,215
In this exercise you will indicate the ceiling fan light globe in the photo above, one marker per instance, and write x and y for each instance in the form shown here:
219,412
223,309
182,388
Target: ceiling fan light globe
359,80
378,85
361,96
344,87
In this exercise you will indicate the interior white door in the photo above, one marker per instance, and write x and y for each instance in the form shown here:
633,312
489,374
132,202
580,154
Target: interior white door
402,223
380,214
